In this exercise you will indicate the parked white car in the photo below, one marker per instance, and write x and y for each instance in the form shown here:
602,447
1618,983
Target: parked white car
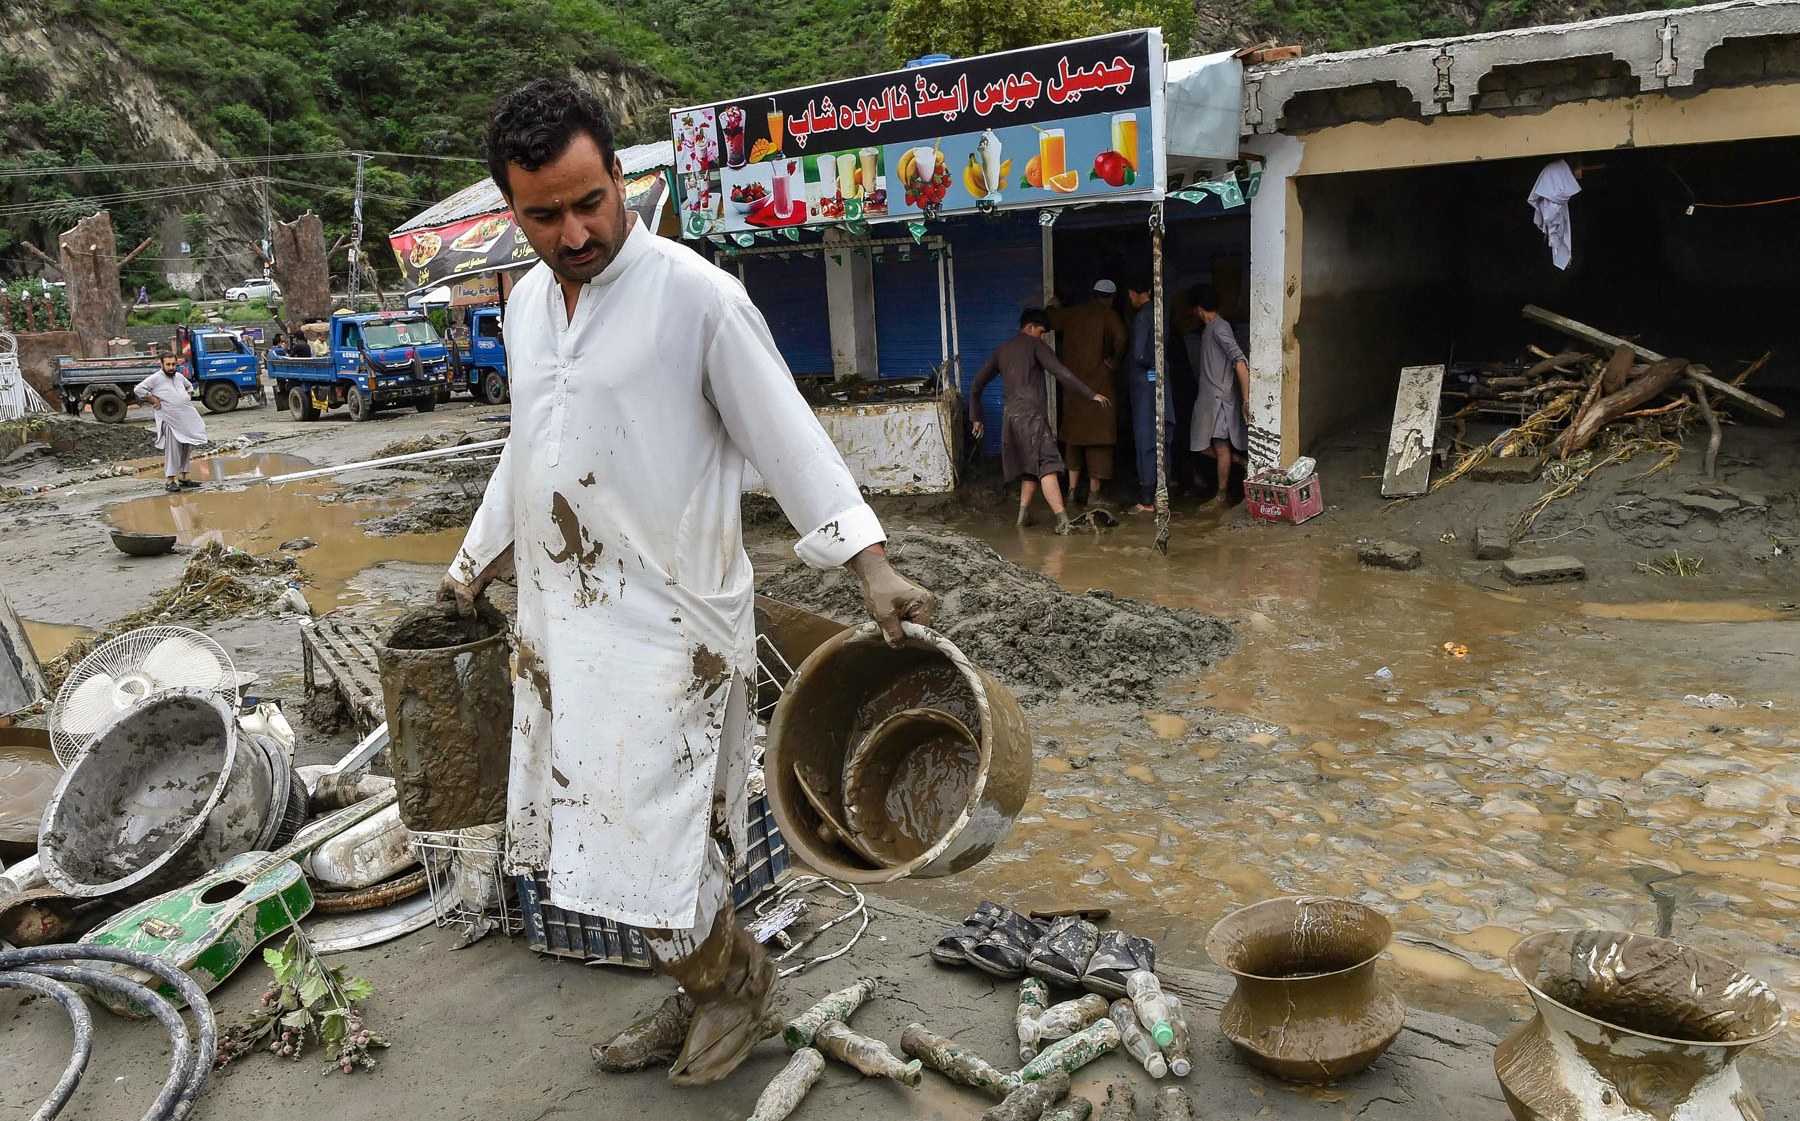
257,288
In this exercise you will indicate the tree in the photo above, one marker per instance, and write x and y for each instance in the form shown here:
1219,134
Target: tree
971,27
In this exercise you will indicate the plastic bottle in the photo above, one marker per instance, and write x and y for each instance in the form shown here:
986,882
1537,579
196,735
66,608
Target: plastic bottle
1071,1054
1063,1020
1152,1007
870,1056
782,1095
955,1062
1180,1052
833,1006
1137,1040
1034,997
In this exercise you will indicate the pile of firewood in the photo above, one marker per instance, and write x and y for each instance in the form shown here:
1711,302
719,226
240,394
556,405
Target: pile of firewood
1601,390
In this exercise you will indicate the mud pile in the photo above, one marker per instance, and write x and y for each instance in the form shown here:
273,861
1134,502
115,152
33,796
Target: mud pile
77,440
1022,626
428,513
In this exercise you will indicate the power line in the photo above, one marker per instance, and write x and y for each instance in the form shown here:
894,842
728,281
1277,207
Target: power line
423,156
18,172
352,191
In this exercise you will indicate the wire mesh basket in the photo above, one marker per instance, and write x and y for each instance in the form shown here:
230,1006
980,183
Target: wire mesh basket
773,672
465,872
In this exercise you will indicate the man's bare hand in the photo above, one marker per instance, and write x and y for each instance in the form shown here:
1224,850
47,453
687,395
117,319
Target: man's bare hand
1103,400
975,429
888,596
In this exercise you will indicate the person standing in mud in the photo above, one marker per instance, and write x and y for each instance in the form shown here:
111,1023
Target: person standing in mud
179,429
644,380
1027,447
1093,344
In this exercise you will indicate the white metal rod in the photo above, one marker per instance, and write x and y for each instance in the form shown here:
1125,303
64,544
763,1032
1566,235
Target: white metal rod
439,453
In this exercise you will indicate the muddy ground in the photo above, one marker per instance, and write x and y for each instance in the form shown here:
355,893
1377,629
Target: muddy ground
1552,776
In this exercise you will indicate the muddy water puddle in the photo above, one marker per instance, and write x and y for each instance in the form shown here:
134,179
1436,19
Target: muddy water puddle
1550,777
241,511
49,640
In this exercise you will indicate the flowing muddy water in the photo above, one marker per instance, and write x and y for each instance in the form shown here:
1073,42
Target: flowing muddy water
240,511
1550,777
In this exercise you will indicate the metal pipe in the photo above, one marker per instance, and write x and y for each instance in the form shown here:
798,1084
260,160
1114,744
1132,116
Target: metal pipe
1161,388
181,1059
414,457
80,1022
955,343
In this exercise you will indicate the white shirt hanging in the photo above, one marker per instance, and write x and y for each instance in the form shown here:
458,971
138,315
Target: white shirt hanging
1555,186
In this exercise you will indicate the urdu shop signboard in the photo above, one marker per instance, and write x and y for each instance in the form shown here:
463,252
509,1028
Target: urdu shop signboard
1074,122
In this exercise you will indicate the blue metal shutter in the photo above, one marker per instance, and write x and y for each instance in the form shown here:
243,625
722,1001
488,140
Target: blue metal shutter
999,273
790,292
907,329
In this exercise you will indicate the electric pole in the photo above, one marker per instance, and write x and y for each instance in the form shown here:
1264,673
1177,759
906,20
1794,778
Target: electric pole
356,232
268,229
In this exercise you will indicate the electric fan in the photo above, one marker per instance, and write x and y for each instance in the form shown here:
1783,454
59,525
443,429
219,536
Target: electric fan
125,671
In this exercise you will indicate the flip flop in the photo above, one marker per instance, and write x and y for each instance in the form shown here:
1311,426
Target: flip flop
1063,953
1003,952
1117,955
953,948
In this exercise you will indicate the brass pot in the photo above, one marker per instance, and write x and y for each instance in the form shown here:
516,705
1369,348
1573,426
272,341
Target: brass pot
1308,1005
1630,1027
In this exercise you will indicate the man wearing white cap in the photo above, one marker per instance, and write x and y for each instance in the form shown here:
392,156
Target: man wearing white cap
1093,344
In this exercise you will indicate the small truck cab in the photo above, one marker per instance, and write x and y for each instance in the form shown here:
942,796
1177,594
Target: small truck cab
372,361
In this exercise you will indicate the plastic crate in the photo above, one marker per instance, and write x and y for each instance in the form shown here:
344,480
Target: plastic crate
1272,499
550,929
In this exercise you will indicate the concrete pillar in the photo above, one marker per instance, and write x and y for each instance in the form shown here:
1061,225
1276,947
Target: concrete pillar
1274,406
850,292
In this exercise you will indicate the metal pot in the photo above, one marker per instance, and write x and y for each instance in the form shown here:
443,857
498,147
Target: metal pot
842,693
1630,1027
165,793
1308,1005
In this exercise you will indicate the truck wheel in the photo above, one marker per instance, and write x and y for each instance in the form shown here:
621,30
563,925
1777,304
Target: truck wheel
220,397
493,387
425,404
300,404
109,408
358,404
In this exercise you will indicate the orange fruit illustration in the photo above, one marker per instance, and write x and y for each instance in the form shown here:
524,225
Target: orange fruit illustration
1065,184
1034,172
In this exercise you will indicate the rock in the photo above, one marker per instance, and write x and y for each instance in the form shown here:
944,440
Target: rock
1492,544
1714,508
1391,554
1543,570
1447,706
298,544
1509,469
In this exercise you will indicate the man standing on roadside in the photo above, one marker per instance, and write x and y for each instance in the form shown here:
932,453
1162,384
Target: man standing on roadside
644,380
1220,429
1093,344
1027,450
1143,380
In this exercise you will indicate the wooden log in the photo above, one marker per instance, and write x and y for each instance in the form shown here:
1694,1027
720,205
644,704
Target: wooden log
133,255
1713,435
1618,369
1577,329
1659,378
1744,375
1558,362
300,269
1560,446
90,263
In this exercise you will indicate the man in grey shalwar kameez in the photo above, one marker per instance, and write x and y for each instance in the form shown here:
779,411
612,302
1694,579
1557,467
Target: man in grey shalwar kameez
1220,428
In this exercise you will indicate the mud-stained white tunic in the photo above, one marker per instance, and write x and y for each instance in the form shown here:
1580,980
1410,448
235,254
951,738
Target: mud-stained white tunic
618,490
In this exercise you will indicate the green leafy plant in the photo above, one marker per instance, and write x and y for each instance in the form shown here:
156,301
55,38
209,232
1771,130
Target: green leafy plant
310,1003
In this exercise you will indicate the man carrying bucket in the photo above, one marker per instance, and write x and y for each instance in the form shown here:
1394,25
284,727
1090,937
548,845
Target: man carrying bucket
643,380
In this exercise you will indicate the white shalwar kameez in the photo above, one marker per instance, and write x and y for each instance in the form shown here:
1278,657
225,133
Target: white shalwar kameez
178,425
618,491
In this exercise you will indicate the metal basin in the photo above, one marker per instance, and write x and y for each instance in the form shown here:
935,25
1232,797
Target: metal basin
163,794
142,544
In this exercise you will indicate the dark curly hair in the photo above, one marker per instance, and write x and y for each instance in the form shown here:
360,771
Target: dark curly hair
534,124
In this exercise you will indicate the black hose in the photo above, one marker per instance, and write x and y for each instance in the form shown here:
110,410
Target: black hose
79,1020
200,1055
181,1062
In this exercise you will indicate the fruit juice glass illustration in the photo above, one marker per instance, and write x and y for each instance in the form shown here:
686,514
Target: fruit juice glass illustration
846,174
1124,137
777,119
784,178
733,122
1052,157
827,166
869,156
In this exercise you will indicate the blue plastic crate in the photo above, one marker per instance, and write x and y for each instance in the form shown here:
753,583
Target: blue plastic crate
550,929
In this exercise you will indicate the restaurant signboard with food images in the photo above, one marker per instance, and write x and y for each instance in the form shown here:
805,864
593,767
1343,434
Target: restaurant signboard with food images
472,232
1074,122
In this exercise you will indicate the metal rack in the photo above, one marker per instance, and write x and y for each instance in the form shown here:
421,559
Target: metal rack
465,872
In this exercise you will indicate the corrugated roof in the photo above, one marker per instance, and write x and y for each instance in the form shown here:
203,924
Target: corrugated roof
485,198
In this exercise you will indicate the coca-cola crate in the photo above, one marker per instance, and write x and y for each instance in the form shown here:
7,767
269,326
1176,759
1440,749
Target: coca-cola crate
1271,498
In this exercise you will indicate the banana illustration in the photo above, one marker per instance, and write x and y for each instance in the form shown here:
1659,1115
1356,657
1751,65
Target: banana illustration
976,183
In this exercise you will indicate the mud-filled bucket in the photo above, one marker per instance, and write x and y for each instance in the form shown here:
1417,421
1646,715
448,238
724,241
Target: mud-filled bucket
942,750
164,793
448,691
1308,1005
1630,1027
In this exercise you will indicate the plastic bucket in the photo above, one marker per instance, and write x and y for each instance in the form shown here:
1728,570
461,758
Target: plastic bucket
448,690
943,754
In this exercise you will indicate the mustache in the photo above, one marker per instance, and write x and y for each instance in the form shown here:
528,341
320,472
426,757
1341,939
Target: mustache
592,244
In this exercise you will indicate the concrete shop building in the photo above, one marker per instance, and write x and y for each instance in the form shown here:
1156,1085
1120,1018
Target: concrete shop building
1392,227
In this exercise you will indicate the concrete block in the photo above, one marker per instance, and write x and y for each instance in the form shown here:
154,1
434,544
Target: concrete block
1391,554
1509,469
1543,570
1492,544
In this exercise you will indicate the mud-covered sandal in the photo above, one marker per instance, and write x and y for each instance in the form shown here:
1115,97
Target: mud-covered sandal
1061,955
953,948
1002,953
1117,956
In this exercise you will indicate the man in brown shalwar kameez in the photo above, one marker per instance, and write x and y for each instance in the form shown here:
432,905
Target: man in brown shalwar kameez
1027,447
1093,342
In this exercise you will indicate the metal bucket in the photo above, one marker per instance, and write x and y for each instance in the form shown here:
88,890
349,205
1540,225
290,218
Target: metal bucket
1630,1027
448,690
1308,1005
857,697
163,795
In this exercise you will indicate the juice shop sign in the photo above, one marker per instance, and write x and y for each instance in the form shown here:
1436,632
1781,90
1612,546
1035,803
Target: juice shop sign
1073,122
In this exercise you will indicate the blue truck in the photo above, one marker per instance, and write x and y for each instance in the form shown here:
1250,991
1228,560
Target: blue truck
222,368
478,358
374,361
